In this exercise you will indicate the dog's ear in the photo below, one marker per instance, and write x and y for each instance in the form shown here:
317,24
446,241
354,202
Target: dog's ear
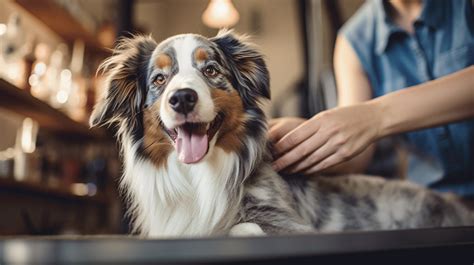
126,73
249,71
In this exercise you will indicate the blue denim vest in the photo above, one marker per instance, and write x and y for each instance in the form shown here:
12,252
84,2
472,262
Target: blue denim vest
443,43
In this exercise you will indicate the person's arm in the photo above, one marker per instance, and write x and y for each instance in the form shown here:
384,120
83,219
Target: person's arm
334,136
299,148
347,131
441,101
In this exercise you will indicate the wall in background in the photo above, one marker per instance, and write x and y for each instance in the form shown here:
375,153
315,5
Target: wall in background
346,10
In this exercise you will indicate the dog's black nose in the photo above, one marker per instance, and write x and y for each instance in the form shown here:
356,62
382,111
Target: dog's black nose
183,100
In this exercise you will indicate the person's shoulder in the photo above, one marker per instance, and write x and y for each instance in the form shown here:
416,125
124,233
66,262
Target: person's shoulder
361,24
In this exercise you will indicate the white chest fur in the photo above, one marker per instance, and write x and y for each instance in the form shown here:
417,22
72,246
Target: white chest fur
178,199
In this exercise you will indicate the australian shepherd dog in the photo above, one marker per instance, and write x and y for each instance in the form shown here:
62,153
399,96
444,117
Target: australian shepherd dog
197,162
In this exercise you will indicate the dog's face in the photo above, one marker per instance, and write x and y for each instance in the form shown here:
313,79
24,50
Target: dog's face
187,94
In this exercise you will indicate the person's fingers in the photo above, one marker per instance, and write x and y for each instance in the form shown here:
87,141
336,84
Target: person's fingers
295,137
281,126
276,132
330,161
304,152
286,160
301,151
324,150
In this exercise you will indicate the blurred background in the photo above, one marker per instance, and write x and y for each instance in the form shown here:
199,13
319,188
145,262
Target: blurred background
59,177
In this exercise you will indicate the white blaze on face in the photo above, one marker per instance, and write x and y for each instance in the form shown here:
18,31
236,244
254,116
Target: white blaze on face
191,146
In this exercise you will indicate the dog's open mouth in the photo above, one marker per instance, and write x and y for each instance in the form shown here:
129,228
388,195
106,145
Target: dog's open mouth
191,140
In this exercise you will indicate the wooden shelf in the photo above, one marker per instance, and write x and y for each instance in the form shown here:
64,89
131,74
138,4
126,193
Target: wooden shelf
42,190
62,22
22,102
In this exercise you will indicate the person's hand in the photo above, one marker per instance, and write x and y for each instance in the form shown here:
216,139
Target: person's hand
281,126
327,139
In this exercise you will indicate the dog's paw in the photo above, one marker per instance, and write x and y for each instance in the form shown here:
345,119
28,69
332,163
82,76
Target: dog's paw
246,229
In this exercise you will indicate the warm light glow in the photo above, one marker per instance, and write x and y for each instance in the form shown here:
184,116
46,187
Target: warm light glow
40,68
79,189
33,80
14,72
65,86
83,189
66,75
62,96
220,14
3,29
28,135
16,252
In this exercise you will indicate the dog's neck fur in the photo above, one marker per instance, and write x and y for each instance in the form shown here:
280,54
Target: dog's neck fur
186,200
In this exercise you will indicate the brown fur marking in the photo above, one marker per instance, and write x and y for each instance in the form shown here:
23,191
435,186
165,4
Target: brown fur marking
156,143
201,54
163,61
232,129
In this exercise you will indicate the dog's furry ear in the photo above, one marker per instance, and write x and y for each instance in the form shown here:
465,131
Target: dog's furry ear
249,70
125,72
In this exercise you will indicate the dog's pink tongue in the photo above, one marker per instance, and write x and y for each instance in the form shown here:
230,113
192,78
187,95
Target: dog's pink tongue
191,147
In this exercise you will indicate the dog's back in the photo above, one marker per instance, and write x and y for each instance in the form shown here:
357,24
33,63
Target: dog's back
357,202
352,202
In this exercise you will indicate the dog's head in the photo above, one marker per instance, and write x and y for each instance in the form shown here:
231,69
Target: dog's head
188,94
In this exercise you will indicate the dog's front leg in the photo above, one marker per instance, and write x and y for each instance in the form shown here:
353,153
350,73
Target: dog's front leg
269,204
246,229
262,218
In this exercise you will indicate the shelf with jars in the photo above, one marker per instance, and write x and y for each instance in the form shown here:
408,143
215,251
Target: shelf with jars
43,174
39,164
70,22
52,82
22,102
50,160
79,192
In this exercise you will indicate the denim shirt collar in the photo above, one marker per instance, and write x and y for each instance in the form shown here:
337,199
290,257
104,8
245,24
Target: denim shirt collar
432,15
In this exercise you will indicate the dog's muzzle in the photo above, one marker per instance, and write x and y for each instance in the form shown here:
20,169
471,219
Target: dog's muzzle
183,100
192,136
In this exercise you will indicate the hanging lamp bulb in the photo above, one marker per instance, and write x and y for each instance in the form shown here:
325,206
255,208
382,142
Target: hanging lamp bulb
220,14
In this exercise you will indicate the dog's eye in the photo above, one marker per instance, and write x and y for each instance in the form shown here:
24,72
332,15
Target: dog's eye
210,71
160,80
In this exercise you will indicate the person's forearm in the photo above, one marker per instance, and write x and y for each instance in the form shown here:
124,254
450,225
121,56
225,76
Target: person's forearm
437,102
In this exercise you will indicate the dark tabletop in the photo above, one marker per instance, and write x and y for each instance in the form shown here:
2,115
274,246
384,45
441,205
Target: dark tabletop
419,246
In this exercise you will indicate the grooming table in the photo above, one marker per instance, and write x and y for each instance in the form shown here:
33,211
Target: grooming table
419,246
